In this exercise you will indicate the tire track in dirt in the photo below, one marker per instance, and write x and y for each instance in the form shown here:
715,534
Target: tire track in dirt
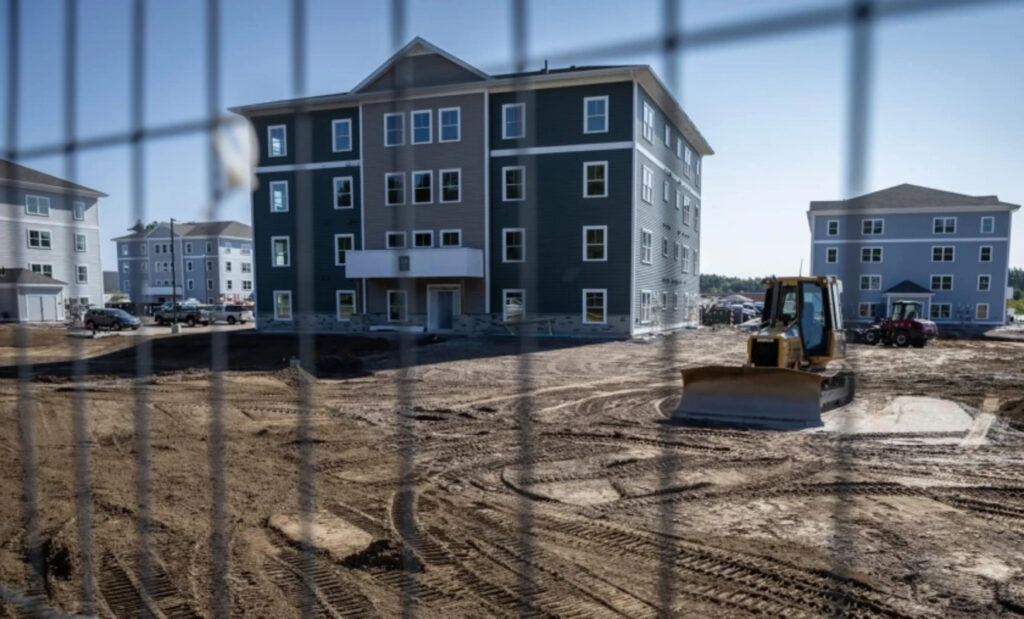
333,596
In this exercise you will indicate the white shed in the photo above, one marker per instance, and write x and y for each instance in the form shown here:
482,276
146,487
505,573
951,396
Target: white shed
26,296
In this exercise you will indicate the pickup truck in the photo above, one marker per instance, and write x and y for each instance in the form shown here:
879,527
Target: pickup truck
231,314
188,314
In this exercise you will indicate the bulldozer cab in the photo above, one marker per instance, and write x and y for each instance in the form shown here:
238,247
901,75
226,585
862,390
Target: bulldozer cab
808,307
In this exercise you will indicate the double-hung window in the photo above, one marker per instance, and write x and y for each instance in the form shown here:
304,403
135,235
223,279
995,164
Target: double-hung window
343,243
686,259
942,282
595,179
282,304
985,253
832,255
281,252
870,282
451,185
595,114
83,274
39,239
513,125
595,306
646,245
343,192
687,203
80,242
988,225
942,253
984,283
47,269
646,301
647,188
449,124
451,238
595,243
422,187
78,210
345,301
423,238
341,135
871,227
513,245
981,311
422,132
277,141
397,306
832,227
941,311
514,183
394,129
944,225
648,126
37,205
687,161
278,197
394,188
871,254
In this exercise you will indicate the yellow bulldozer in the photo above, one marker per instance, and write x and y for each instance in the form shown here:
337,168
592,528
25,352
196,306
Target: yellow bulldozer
794,370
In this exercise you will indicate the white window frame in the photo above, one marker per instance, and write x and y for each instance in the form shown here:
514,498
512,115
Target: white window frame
39,234
291,310
942,250
646,246
687,159
351,192
934,312
505,185
42,268
78,273
687,211
440,185
677,250
834,252
387,239
944,220
981,252
646,306
931,282
334,135
587,117
191,284
647,184
872,221
977,312
441,233
189,267
604,306
337,305
870,287
42,207
418,173
458,124
604,178
666,190
685,266
664,247
338,237
387,192
401,130
504,244
991,221
80,236
604,243
78,210
271,186
988,279
668,135
188,248
872,309
404,317
828,227
872,250
504,121
504,302
273,252
429,232
270,140
648,122
679,199
412,126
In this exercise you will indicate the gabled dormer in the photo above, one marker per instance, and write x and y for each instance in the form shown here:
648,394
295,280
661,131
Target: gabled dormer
420,65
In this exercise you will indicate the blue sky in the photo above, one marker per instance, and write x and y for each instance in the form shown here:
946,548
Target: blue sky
947,101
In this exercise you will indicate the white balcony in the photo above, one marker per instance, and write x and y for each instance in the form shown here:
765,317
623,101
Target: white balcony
415,262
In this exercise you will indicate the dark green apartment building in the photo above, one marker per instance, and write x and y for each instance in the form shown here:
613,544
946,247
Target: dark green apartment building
440,198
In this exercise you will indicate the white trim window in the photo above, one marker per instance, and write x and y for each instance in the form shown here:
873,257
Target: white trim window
831,255
664,247
282,304
679,199
870,282
687,161
595,306
47,269
647,187
686,259
872,227
394,239
513,180
646,245
679,148
646,302
37,205
984,283
422,127
40,239
188,248
832,227
341,135
687,203
941,311
676,250
595,243
981,311
278,197
666,191
422,187
595,179
394,129
394,188
985,253
343,243
870,254
944,225
595,114
451,185
189,267
988,225
277,141
513,304
942,282
345,304
81,245
451,238
398,306
867,310
648,123
280,254
343,192
82,273
513,244
78,210
668,136
449,124
191,285
246,267
942,253
422,238
513,121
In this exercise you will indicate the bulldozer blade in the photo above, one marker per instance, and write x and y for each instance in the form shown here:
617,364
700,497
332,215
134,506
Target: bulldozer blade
751,396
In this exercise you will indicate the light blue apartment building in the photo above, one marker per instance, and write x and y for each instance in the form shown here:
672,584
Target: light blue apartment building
948,250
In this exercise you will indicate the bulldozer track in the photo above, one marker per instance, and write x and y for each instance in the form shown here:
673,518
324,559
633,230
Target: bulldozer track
333,596
119,591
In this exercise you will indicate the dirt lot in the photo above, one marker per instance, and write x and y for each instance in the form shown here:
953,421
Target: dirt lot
627,511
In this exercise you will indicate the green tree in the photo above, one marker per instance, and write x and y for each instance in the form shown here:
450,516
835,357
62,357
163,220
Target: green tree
712,283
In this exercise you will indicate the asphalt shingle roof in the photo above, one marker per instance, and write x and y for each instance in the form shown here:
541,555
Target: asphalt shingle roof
194,229
13,172
907,287
909,196
26,276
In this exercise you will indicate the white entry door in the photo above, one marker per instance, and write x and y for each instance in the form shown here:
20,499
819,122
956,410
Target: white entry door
443,305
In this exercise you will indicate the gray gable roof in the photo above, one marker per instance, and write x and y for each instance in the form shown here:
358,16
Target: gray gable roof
14,173
192,229
26,276
910,196
907,287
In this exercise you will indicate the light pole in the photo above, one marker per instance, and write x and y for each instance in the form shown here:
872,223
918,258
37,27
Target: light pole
174,283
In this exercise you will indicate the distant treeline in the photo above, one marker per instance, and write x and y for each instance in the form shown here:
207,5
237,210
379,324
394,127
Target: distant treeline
1017,283
723,283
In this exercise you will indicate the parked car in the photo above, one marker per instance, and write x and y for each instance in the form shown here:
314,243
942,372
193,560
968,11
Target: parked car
189,314
231,314
110,318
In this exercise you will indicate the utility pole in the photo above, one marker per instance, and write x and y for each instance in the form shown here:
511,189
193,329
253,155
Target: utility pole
174,281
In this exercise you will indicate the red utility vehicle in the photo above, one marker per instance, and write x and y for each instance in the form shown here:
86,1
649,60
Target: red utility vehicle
906,327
